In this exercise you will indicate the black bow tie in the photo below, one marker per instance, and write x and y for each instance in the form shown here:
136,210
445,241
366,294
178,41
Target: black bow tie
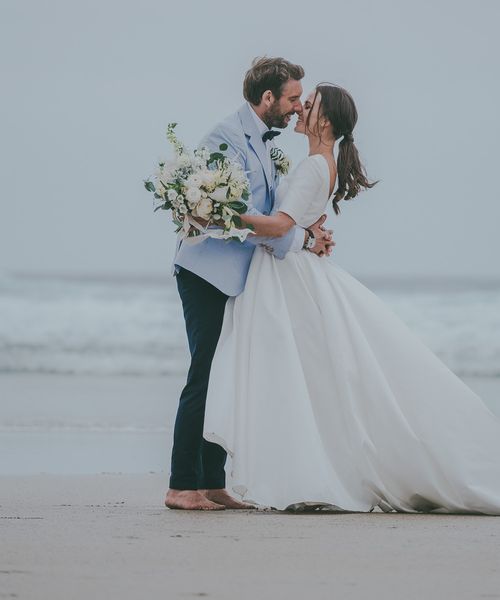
268,135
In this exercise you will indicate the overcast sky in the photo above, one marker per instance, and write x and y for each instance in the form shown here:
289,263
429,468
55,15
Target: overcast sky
88,88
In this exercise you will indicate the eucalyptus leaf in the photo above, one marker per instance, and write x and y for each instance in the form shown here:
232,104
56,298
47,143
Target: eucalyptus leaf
238,206
214,157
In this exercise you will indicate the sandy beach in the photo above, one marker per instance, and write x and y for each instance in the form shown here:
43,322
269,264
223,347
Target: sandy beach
83,473
108,536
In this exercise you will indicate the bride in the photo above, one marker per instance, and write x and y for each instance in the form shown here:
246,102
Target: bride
318,392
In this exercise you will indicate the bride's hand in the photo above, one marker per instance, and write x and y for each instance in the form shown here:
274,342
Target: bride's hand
324,238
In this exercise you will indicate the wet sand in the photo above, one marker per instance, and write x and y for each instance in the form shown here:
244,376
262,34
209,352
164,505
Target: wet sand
108,536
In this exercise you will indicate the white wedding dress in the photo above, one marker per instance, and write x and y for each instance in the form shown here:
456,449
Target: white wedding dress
320,393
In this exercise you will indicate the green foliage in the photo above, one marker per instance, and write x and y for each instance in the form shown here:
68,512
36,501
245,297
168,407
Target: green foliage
238,206
214,157
149,185
166,206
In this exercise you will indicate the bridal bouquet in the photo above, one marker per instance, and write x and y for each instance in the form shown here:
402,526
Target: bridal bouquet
202,186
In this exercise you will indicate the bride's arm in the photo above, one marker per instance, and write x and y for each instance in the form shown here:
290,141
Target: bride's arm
304,189
276,225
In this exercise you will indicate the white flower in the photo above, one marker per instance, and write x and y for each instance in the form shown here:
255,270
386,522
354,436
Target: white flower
227,216
236,171
203,209
236,189
172,195
207,177
203,153
179,201
193,196
219,194
237,182
198,162
166,170
184,160
194,180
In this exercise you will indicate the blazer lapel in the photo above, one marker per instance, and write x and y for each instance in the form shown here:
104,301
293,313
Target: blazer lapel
255,141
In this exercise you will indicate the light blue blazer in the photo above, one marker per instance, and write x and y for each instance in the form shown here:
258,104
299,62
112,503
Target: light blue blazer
225,264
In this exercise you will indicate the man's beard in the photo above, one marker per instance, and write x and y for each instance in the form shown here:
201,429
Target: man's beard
274,118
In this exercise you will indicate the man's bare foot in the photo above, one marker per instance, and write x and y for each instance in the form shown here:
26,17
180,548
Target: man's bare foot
190,500
222,497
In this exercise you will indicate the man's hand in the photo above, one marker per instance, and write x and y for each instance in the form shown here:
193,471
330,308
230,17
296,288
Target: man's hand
324,238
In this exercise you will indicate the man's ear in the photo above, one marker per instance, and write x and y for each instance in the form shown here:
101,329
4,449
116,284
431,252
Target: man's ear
268,98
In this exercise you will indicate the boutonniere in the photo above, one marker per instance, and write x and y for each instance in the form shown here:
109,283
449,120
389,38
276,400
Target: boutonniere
281,161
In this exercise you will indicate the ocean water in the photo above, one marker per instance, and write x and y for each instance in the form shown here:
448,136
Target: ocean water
91,368
134,326
91,325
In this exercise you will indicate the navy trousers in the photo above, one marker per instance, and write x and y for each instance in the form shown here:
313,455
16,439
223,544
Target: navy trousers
197,463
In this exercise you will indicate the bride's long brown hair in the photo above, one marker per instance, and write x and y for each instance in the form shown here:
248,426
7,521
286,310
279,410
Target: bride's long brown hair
337,105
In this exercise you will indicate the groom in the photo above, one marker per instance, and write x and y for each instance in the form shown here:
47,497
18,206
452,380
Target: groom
210,272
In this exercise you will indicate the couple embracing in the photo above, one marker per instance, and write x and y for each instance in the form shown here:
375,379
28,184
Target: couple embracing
315,389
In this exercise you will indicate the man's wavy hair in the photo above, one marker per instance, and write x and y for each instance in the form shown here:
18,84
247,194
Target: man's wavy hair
269,74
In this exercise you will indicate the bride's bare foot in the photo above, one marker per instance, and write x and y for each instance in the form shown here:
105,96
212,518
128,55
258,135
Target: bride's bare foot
222,497
190,500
